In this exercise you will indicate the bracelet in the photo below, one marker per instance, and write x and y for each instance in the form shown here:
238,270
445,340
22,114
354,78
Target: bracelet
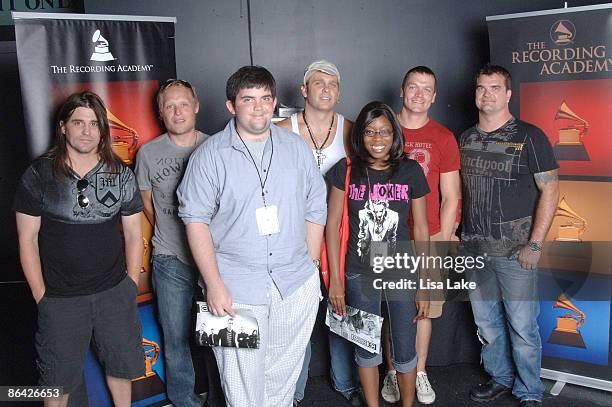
317,263
535,245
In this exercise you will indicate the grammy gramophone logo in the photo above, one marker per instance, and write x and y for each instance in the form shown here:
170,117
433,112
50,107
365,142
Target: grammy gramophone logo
150,384
573,225
101,51
566,332
563,32
125,138
570,147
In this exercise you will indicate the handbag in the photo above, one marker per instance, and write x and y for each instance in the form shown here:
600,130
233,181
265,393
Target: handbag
344,234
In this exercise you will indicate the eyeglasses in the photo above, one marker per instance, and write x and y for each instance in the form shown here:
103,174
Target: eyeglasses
384,133
82,200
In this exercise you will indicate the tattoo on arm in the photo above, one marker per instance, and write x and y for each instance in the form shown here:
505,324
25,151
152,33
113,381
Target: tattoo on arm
544,178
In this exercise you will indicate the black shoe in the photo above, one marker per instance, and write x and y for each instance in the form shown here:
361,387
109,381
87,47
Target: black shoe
355,399
297,403
489,391
213,403
530,403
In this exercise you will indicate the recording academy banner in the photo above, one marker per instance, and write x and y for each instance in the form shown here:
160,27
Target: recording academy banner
561,65
123,59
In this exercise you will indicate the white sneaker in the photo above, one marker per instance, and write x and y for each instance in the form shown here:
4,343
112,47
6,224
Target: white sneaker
390,390
424,391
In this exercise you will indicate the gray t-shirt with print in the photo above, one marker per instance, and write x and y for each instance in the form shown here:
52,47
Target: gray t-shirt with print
160,165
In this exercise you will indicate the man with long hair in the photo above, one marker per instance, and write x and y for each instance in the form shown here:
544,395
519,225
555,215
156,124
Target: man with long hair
69,204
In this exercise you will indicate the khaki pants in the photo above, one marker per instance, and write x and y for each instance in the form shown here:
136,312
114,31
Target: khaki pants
437,297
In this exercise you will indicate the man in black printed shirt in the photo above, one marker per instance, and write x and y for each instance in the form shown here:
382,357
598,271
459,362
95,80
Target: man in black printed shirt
510,193
69,204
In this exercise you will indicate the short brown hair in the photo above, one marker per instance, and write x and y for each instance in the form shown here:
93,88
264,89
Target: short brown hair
490,69
247,77
420,69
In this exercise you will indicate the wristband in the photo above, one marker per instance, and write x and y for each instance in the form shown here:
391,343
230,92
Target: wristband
535,245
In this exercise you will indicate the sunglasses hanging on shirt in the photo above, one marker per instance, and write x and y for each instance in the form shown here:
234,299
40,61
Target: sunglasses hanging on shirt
82,200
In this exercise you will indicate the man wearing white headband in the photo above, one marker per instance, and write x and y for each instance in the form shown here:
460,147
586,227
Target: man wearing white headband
326,132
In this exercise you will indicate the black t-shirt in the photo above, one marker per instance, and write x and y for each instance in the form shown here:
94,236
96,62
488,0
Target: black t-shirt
81,249
379,210
499,192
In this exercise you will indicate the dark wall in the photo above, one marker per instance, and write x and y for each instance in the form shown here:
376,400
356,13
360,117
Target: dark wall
13,158
212,41
372,42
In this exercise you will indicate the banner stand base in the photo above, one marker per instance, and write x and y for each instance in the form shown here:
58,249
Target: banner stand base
562,378
557,387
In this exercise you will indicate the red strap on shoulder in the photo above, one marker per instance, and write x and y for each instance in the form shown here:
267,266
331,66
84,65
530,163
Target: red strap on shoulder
344,234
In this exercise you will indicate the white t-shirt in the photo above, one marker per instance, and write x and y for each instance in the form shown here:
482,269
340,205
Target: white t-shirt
334,152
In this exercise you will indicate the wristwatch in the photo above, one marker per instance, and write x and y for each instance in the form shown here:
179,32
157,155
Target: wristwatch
535,245
317,263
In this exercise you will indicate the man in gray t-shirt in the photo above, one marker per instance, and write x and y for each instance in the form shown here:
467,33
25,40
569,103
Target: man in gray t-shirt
159,169
160,166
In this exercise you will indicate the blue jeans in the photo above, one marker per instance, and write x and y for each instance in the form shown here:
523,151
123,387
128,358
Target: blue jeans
361,294
174,283
343,372
506,307
344,376
300,386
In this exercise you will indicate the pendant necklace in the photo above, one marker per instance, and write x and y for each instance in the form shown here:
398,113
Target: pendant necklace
318,149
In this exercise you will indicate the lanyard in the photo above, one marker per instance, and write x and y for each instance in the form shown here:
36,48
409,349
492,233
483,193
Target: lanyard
267,171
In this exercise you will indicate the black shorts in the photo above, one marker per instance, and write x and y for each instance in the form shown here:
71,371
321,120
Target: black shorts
108,320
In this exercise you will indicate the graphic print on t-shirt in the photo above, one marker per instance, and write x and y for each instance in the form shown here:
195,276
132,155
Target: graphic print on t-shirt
378,207
487,166
108,188
377,223
500,193
422,156
166,173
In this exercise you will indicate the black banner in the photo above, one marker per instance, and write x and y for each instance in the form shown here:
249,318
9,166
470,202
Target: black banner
123,59
561,65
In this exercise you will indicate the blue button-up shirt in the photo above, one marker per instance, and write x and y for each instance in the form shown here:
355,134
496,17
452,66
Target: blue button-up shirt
221,188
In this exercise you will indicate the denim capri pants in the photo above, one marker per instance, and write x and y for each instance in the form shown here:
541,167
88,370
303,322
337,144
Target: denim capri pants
362,294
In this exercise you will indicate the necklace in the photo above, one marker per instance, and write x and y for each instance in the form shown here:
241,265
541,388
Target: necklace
318,149
369,186
378,222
